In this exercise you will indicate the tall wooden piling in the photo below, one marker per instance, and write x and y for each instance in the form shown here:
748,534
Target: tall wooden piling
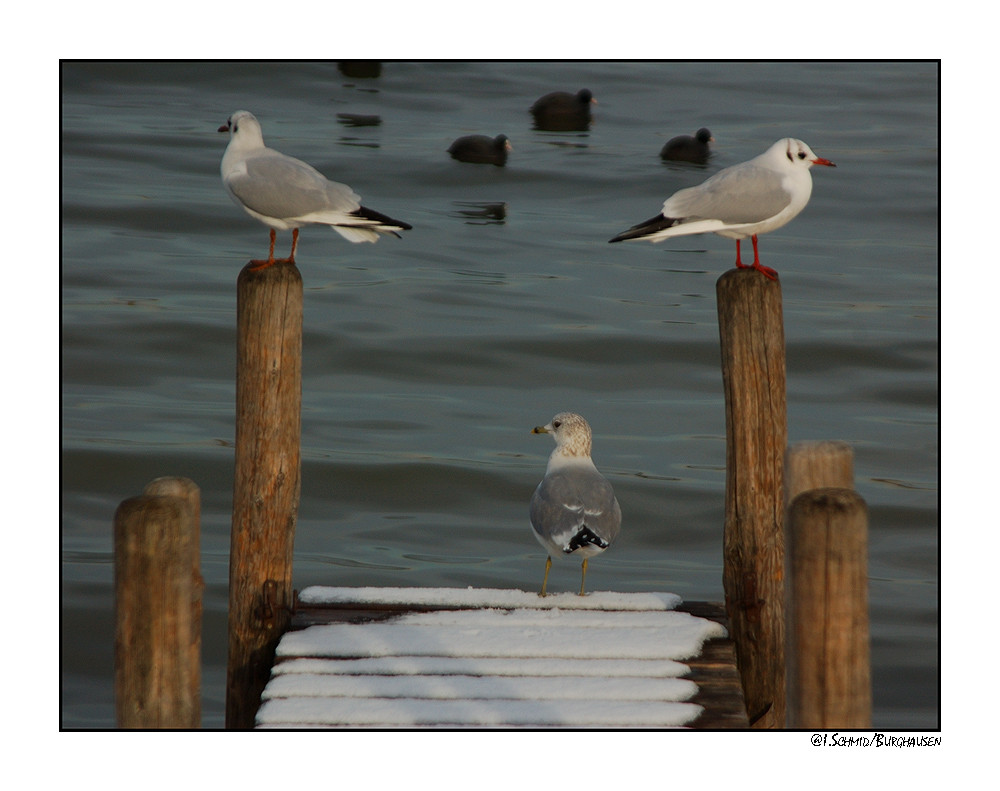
158,607
829,658
267,479
752,340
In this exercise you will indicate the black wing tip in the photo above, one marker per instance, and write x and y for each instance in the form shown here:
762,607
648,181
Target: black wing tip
370,214
650,226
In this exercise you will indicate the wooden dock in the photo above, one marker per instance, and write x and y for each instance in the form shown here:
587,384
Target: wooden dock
482,658
413,657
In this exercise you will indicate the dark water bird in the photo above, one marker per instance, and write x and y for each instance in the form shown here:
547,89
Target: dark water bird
563,112
685,148
753,197
285,193
360,69
574,513
481,149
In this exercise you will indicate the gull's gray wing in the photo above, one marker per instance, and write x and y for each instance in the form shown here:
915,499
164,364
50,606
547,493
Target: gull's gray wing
568,500
275,185
740,194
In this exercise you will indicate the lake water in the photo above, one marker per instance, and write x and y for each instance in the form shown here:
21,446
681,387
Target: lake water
428,359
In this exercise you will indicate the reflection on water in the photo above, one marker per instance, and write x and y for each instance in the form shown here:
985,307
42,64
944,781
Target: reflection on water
481,213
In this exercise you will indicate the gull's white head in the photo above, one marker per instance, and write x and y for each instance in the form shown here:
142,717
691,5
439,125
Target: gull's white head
244,130
796,153
571,433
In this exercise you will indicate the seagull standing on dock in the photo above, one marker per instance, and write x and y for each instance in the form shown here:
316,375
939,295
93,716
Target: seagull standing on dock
573,510
285,193
748,199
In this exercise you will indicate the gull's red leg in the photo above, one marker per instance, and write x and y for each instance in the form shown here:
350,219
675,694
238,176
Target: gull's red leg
765,270
739,263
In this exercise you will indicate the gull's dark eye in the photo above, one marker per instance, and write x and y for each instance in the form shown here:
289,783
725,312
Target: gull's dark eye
556,423
802,155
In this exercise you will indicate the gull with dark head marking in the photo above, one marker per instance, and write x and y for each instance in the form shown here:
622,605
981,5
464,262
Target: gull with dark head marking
573,511
748,199
285,193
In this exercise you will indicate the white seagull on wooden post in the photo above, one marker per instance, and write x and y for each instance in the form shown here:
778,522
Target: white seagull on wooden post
748,199
285,193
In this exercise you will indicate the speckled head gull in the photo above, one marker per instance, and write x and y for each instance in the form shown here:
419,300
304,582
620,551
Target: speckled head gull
748,199
573,511
285,193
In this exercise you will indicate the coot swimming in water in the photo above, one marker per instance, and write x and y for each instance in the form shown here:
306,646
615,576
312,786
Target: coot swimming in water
563,112
685,148
482,149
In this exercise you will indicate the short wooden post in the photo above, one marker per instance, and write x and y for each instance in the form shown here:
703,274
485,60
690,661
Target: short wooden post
752,339
189,494
158,609
817,464
829,656
267,479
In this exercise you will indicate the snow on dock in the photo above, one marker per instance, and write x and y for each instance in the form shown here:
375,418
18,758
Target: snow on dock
483,658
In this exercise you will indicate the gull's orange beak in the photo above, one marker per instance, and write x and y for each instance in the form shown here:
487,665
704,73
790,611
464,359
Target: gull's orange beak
224,128
817,161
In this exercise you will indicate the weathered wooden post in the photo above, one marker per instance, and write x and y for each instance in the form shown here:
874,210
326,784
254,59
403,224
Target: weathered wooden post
829,661
752,339
814,465
267,479
158,607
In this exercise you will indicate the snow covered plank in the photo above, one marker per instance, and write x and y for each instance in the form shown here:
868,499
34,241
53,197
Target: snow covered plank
421,713
466,658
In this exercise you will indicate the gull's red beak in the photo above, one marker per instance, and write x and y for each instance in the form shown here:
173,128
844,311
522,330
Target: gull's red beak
225,128
817,161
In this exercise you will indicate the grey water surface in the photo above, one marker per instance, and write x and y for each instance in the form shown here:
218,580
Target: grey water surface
428,359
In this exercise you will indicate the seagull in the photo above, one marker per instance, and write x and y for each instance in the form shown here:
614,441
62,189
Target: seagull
573,510
481,149
744,200
685,148
285,193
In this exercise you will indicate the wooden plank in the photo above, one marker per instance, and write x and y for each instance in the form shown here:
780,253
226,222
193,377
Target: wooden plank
720,690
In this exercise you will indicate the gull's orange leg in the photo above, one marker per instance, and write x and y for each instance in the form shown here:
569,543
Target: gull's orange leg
295,244
258,264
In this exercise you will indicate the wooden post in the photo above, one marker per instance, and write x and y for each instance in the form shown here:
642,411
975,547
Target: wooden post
189,494
814,465
829,656
267,479
158,609
752,339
